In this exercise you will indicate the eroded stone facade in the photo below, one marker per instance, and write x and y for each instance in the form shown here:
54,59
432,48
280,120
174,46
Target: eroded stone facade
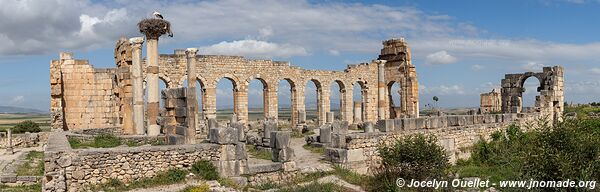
84,97
491,102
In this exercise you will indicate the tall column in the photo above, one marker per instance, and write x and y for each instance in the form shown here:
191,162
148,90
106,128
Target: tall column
153,29
152,82
210,102
241,103
270,102
324,104
381,89
192,102
138,85
348,105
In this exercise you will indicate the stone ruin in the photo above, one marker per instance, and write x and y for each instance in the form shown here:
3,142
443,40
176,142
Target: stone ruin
549,102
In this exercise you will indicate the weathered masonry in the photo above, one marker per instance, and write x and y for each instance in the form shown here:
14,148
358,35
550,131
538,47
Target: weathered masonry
491,102
549,102
86,97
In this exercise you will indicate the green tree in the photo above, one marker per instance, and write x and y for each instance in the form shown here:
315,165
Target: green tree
26,126
416,157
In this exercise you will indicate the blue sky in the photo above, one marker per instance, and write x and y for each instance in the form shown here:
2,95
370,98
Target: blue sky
460,48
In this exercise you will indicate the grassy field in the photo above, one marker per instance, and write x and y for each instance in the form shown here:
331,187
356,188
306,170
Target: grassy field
9,120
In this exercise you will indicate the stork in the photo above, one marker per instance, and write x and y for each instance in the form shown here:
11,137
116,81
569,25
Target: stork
157,15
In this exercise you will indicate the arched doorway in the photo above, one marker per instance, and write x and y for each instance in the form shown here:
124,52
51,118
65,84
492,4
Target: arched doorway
394,99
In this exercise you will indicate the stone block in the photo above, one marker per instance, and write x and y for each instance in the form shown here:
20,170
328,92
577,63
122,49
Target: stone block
180,112
336,155
398,125
176,139
240,151
223,135
283,155
289,166
420,123
462,120
280,139
268,126
153,130
9,178
409,123
338,140
499,118
354,155
368,127
265,168
212,123
470,119
340,127
240,128
180,130
240,181
452,121
301,116
325,134
329,117
478,119
387,125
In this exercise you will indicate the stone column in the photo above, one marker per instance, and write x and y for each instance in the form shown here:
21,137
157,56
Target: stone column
324,104
241,103
381,89
357,111
298,101
210,102
152,83
270,102
192,102
138,85
153,29
9,137
348,105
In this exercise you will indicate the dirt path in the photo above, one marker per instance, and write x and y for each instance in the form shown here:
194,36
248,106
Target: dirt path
307,160
6,158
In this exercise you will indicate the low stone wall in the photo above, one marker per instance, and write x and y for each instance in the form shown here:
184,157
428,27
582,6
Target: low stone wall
67,169
358,151
100,131
24,140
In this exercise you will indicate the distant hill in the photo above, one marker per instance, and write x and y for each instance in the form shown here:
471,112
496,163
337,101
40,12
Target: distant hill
11,109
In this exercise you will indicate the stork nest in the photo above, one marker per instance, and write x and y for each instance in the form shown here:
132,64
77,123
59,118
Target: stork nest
154,28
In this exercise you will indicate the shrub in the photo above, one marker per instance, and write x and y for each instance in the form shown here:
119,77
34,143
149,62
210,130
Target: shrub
201,188
26,126
205,169
414,157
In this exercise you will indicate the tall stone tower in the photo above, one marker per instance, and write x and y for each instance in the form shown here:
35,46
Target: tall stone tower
399,69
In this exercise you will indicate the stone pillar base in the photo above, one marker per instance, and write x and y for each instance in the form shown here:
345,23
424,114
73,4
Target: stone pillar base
153,130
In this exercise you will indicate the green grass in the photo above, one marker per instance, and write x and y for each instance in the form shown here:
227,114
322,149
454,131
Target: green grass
108,141
21,188
582,111
171,176
200,188
314,187
319,150
205,169
258,153
100,141
299,134
34,165
493,173
351,176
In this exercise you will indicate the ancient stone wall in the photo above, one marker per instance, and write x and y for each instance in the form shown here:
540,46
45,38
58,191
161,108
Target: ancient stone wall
82,96
549,102
491,102
399,69
455,133
68,169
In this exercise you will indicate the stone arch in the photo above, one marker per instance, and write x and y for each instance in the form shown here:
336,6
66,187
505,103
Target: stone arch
522,89
265,94
342,98
359,107
293,101
320,111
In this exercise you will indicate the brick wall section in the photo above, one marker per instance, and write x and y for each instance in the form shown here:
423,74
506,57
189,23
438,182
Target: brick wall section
81,96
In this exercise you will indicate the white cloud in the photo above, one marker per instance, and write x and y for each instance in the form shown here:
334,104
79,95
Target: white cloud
254,48
439,58
334,52
532,66
595,71
443,90
17,99
477,67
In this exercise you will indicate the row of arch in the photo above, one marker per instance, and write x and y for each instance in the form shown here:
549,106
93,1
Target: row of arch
299,98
